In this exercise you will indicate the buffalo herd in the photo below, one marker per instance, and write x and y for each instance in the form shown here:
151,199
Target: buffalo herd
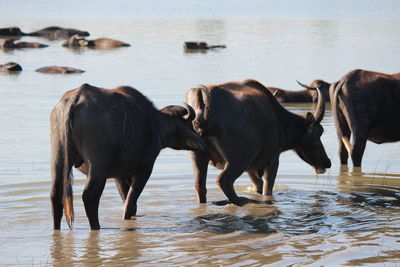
235,126
74,39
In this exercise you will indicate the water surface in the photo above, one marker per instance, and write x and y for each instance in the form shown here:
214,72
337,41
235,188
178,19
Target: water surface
339,218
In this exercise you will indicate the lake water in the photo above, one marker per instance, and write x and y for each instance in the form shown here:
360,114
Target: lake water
339,218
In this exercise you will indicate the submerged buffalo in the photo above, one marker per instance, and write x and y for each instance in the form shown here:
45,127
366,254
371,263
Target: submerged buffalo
10,67
10,44
55,32
246,129
11,32
114,133
365,105
59,70
302,96
77,41
193,46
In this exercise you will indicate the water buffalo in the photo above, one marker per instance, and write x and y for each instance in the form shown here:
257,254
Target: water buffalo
365,104
55,32
59,69
302,96
114,133
10,44
193,46
11,32
10,67
245,129
77,41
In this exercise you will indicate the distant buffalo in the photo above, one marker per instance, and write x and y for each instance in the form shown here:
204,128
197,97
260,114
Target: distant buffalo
114,133
366,106
77,41
59,69
55,32
11,44
193,46
11,32
246,129
302,96
10,67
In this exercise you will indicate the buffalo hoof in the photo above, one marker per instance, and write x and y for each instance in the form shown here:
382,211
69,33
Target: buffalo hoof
344,168
357,171
241,201
221,202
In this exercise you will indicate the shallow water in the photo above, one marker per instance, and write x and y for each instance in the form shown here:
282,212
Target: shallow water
339,218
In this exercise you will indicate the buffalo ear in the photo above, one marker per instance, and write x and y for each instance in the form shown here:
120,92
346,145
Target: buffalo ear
310,118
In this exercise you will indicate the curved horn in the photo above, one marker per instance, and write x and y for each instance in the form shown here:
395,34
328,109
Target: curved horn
320,110
191,114
306,86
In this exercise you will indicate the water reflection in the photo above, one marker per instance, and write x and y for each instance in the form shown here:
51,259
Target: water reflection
92,251
310,225
359,178
212,29
62,249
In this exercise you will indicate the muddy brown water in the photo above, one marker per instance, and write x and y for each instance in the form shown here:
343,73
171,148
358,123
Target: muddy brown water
343,217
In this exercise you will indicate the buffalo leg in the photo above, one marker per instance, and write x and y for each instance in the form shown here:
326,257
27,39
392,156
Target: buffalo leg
200,164
343,133
270,176
256,180
344,141
359,144
57,192
343,153
123,188
226,180
139,181
91,196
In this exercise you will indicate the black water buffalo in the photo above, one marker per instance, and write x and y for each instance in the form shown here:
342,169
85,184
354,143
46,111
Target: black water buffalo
114,133
245,129
55,32
365,104
11,32
10,44
59,70
193,46
10,67
302,96
78,41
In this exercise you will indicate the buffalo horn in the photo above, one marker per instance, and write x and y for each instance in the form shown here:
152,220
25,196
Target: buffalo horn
191,114
306,86
320,110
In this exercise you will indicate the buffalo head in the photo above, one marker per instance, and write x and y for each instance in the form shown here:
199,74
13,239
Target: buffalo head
310,148
7,43
177,129
76,41
11,66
